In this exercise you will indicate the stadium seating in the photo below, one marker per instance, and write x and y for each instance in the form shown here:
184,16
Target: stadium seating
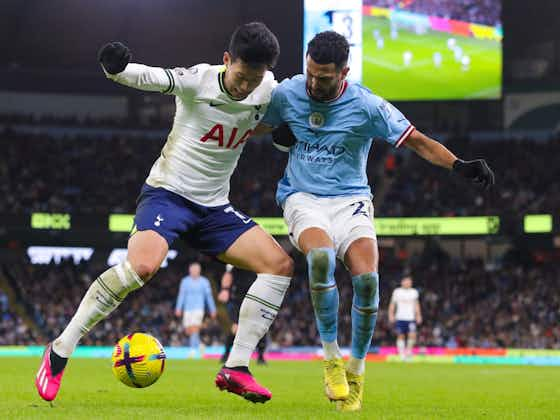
465,304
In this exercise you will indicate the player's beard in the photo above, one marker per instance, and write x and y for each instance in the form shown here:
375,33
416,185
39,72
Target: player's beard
325,95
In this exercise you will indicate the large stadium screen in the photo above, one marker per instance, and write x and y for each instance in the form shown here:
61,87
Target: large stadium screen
417,49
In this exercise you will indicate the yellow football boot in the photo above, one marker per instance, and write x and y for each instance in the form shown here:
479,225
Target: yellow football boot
336,385
354,400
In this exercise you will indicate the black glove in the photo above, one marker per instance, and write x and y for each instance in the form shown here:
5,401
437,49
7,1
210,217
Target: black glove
283,138
476,171
114,56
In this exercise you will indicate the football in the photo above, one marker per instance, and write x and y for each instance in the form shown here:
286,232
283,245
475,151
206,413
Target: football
138,360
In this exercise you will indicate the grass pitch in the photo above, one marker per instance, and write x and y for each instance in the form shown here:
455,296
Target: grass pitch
386,75
186,390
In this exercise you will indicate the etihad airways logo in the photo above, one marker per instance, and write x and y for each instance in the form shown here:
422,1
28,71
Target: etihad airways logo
322,154
332,150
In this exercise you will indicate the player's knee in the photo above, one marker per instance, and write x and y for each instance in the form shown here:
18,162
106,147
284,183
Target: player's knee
145,270
362,256
366,292
287,266
321,263
282,265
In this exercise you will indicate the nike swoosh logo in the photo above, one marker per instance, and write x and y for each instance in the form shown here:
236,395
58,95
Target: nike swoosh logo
214,104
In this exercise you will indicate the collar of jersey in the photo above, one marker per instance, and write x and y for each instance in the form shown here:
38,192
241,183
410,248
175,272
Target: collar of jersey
222,84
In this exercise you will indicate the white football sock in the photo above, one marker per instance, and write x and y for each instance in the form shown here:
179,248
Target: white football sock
410,345
104,295
356,366
400,347
258,310
331,350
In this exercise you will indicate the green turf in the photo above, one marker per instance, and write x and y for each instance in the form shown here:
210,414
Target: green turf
186,390
385,74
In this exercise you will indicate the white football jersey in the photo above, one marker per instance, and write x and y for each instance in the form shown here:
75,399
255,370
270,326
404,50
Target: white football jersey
405,299
209,131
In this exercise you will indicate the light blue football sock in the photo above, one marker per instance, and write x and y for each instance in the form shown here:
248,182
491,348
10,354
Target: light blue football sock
364,312
324,293
195,341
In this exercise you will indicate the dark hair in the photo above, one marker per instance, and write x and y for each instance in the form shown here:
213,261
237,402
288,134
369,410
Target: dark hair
255,44
329,47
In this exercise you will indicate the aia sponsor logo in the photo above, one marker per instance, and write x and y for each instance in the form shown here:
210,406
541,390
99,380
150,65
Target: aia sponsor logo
232,141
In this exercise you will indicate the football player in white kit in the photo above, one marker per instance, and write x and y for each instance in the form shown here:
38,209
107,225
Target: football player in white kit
405,313
186,196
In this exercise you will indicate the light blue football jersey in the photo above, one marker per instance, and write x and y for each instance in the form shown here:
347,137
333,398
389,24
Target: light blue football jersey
334,138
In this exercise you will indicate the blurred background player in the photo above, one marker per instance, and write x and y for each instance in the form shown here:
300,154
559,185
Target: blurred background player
407,58
326,197
186,195
465,63
195,295
405,314
437,59
233,289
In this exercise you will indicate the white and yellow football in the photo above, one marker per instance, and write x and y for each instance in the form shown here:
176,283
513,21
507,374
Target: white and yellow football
138,360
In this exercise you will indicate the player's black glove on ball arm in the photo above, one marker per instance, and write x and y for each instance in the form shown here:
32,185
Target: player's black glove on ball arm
114,56
476,171
283,138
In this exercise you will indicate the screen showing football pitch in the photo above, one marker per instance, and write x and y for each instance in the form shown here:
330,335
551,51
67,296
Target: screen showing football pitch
417,49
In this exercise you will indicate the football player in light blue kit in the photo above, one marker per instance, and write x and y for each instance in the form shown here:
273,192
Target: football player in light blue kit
195,294
326,197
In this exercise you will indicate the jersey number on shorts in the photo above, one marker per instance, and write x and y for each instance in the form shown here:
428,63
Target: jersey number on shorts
360,209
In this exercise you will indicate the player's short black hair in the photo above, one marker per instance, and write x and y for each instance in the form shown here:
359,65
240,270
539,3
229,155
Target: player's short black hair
255,44
329,47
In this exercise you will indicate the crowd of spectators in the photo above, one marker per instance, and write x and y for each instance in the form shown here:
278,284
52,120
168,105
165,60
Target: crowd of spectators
51,293
526,182
465,303
46,120
13,330
98,176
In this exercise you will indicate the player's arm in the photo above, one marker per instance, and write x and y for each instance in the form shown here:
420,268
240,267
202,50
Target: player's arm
274,122
393,126
430,150
282,136
476,171
392,308
226,283
262,129
180,298
391,313
115,61
210,300
418,312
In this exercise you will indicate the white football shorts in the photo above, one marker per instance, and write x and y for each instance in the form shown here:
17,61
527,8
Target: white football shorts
345,219
192,318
